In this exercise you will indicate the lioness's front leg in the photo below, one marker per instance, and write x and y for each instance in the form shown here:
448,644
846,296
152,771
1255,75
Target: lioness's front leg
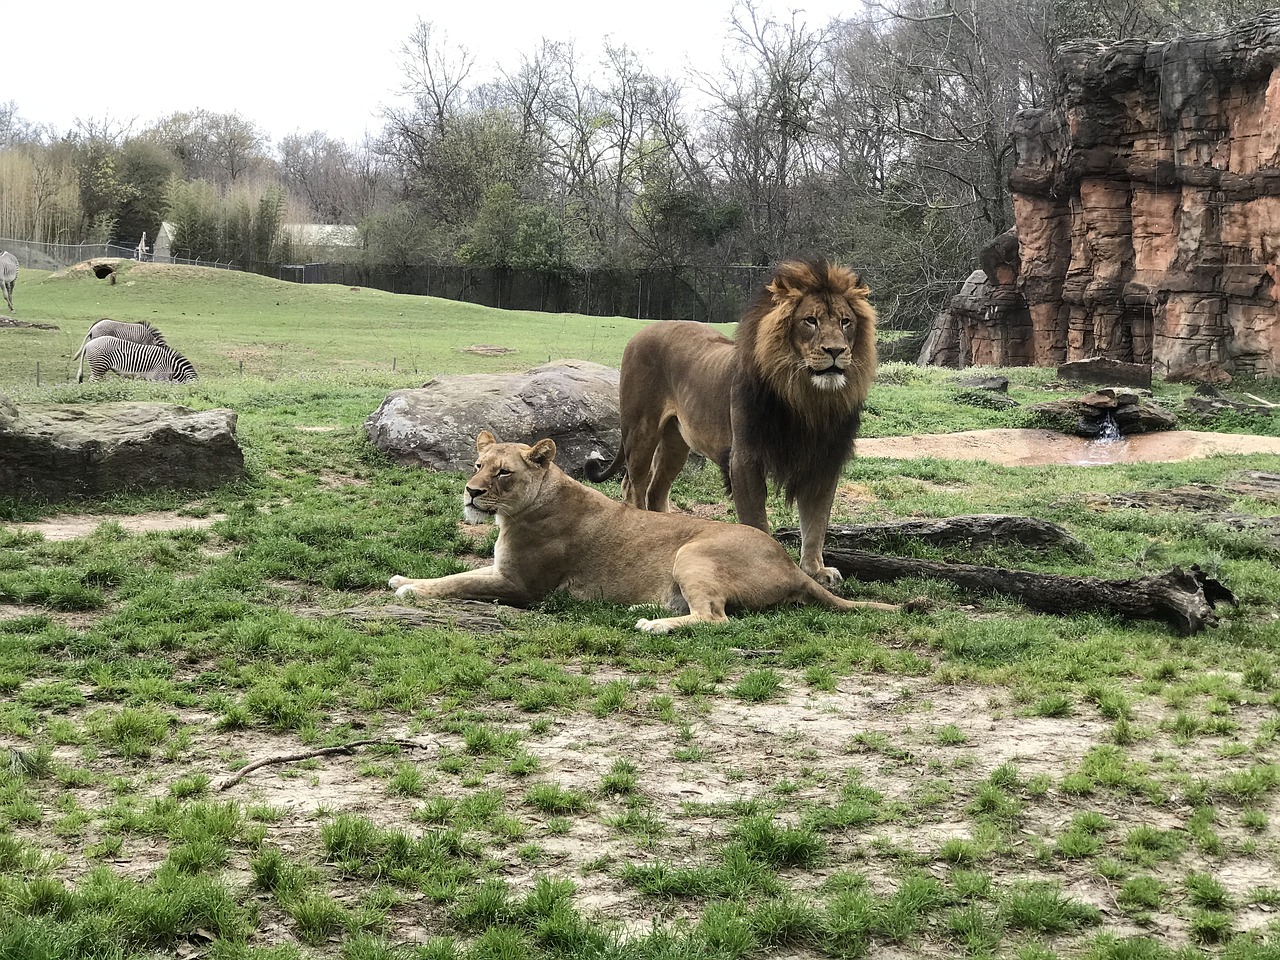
814,508
486,583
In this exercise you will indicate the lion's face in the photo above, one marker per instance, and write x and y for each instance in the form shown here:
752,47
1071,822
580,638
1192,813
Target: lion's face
508,478
822,336
813,337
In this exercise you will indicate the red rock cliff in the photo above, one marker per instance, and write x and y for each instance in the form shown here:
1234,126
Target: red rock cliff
1147,209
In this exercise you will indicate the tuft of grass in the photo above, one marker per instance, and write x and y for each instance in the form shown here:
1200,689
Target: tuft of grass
1041,908
621,779
758,686
778,845
552,798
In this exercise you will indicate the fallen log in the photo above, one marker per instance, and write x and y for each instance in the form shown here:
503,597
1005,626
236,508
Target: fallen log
1185,599
981,528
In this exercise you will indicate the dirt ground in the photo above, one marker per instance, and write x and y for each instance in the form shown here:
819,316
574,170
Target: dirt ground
1033,448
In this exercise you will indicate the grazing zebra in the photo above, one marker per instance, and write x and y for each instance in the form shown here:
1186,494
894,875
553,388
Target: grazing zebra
129,359
8,276
142,332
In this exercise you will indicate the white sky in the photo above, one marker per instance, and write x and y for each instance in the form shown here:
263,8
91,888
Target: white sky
330,66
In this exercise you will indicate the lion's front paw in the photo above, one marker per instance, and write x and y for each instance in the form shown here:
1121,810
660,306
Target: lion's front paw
395,582
829,577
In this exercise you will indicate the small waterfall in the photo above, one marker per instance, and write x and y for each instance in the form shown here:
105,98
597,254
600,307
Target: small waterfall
1109,430
1107,447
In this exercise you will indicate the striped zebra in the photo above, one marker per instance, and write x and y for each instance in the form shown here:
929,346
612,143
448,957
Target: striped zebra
141,332
8,276
146,360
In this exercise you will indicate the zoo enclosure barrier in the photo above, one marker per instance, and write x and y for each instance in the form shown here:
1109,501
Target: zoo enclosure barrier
35,255
715,294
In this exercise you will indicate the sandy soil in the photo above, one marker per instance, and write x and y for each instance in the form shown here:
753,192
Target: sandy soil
1031,448
74,526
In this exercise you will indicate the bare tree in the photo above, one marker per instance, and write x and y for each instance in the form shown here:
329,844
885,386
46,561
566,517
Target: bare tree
760,136
339,183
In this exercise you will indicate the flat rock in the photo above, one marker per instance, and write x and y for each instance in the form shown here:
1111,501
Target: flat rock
574,402
1107,372
61,451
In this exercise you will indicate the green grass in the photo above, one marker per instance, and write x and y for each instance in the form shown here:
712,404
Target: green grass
972,781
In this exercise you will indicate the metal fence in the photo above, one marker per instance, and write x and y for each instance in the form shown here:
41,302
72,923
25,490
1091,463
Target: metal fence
713,295
55,256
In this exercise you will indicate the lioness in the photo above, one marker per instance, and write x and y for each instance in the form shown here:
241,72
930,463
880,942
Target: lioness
783,401
556,534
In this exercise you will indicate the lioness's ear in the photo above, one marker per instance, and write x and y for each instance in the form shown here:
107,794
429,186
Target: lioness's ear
542,452
485,439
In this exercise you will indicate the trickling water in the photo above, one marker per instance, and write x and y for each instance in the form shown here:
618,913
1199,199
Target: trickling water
1108,446
1109,431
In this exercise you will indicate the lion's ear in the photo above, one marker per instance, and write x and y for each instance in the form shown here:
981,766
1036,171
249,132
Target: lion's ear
780,290
542,452
485,439
791,279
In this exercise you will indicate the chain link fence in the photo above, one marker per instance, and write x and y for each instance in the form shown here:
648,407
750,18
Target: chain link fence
55,256
715,295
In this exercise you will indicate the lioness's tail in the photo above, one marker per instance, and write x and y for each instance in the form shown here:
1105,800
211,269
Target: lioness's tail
598,471
823,597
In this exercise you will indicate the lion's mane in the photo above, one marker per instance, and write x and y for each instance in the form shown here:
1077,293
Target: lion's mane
800,435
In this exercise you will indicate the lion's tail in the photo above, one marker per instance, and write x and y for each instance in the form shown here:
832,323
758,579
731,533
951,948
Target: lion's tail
598,471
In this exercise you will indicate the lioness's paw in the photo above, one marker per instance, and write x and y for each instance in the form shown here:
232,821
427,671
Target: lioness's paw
394,582
653,626
405,591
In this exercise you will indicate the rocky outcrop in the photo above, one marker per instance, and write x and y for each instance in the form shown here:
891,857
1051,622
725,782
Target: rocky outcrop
1147,208
573,402
1120,412
62,451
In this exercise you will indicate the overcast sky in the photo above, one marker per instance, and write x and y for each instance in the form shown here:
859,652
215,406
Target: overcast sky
291,67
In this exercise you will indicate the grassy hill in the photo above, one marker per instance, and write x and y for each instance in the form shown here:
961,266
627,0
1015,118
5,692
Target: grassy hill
221,319
224,739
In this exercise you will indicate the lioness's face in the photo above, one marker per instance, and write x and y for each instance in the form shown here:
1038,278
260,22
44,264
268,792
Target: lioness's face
823,329
507,477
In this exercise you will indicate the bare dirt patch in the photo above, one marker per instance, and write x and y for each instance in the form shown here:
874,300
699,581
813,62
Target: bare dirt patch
1034,448
75,526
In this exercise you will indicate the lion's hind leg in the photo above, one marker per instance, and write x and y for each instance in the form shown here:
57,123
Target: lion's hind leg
669,457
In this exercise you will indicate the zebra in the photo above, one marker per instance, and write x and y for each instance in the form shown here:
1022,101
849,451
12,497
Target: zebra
8,276
146,360
142,332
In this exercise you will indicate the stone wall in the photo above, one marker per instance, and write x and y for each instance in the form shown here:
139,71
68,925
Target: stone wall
1147,210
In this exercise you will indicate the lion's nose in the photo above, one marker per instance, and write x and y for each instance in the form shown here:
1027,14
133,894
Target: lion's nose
834,351
472,492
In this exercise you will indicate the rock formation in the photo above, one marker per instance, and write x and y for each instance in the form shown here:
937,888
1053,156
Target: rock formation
60,451
1147,210
574,402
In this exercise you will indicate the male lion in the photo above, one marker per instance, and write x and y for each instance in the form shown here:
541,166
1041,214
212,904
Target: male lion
783,401
556,534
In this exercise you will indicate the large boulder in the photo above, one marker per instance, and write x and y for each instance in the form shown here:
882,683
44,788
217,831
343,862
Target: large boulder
574,402
61,451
